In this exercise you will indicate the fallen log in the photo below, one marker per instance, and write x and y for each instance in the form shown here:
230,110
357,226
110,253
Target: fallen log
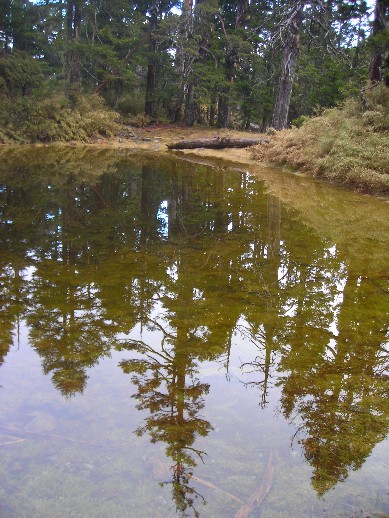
217,143
261,492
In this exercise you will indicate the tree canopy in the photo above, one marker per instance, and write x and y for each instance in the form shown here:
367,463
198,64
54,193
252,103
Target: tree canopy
216,62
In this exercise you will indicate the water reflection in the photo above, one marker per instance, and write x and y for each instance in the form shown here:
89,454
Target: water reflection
340,391
167,387
194,257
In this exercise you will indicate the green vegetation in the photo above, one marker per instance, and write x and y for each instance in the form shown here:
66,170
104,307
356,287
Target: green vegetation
54,119
36,111
217,63
77,70
347,145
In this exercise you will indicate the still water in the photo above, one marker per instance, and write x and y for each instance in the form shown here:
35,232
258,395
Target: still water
187,340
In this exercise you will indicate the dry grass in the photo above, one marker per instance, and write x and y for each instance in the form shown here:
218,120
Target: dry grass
348,145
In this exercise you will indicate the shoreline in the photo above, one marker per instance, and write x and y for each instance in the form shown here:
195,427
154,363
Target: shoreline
335,212
155,139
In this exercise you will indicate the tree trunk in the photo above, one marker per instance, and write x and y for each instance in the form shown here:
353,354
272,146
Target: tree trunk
77,19
184,61
19,25
150,103
73,29
212,110
191,106
223,109
381,23
289,63
69,20
241,12
179,101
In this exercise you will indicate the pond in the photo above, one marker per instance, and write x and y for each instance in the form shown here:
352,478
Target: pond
181,339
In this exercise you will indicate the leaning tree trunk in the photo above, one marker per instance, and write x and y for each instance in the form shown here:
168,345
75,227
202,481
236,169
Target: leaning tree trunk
289,63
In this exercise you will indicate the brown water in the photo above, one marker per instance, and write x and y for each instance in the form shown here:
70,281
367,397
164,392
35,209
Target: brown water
177,339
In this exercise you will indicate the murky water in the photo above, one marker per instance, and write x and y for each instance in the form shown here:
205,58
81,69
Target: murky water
178,339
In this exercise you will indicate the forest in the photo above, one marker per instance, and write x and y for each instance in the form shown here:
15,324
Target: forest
76,68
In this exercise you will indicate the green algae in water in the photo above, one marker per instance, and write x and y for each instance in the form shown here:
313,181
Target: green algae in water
166,326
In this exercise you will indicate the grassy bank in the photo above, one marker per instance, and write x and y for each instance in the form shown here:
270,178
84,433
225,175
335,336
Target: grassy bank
347,145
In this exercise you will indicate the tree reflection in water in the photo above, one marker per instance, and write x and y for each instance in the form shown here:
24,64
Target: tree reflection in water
198,257
168,389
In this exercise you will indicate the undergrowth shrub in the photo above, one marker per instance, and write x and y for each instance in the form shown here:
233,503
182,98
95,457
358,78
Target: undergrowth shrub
133,104
34,119
299,121
139,121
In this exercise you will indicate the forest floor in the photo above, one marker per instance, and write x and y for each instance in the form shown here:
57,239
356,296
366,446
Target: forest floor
156,139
